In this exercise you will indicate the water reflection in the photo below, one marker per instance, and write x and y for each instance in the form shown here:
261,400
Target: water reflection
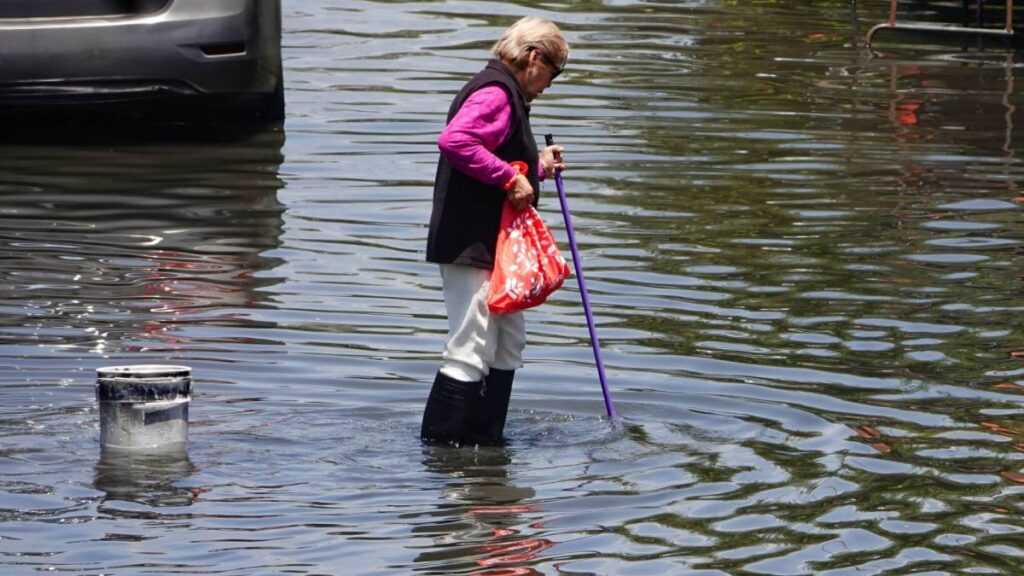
115,242
484,523
150,478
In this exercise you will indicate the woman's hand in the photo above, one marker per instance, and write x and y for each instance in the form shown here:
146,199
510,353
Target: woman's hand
551,160
521,195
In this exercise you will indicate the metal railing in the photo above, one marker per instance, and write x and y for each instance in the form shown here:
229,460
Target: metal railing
892,24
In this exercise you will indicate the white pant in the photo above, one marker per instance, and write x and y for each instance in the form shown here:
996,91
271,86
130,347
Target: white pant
478,340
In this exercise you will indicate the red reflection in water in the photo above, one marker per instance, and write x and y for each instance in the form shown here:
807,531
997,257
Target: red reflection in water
906,113
176,286
507,548
508,572
509,509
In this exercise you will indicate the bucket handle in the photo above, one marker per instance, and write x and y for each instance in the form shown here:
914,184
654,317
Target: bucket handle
161,405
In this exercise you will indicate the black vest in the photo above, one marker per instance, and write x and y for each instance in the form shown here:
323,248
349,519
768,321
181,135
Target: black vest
467,213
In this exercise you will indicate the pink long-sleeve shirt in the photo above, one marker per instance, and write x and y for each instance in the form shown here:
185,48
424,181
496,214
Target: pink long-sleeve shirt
479,127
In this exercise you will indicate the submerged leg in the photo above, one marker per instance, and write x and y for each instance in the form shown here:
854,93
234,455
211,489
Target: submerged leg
490,426
451,411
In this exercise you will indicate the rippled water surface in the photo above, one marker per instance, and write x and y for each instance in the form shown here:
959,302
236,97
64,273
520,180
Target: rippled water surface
805,260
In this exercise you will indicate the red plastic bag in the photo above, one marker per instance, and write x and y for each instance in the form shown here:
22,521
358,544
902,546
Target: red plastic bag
527,264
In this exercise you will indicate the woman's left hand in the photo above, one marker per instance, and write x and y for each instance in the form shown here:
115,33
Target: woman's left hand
551,160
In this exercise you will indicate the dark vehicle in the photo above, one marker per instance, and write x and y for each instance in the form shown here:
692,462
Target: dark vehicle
206,57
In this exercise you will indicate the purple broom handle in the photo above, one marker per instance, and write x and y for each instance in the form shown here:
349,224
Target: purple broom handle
578,265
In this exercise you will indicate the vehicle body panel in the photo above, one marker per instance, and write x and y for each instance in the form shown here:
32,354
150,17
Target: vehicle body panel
184,48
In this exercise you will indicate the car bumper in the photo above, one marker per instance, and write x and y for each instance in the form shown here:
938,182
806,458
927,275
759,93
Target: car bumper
192,47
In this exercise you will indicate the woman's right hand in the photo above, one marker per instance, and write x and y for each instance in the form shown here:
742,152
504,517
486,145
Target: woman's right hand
521,195
551,159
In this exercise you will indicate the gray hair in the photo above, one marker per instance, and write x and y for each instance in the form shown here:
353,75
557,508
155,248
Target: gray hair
531,33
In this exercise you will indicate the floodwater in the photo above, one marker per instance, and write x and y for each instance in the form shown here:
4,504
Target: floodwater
805,260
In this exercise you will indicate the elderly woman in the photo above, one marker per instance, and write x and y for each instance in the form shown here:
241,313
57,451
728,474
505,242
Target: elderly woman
488,127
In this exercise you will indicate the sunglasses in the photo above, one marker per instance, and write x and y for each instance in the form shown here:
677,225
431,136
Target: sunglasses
556,71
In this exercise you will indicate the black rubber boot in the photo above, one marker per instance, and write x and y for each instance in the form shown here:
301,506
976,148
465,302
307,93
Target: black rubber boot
451,411
490,426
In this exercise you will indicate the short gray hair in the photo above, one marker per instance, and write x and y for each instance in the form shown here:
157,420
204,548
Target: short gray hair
531,33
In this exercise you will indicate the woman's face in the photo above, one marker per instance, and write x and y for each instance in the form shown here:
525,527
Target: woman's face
541,69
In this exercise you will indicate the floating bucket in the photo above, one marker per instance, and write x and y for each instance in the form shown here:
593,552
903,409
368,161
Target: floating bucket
144,406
